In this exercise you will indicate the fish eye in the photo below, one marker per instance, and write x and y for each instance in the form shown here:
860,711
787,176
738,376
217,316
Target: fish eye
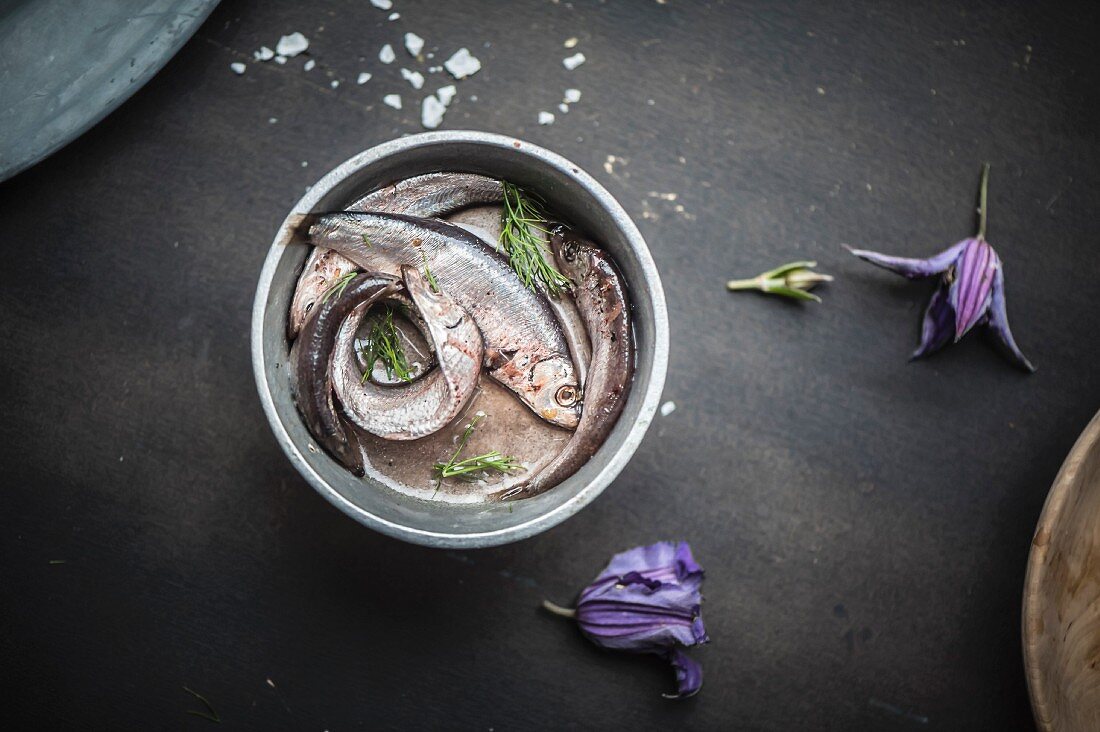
566,396
569,250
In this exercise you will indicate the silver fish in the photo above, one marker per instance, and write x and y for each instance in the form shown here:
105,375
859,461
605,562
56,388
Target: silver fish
434,194
602,300
420,408
525,349
311,366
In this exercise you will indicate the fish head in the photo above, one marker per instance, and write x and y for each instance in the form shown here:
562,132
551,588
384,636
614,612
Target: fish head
554,392
439,311
570,254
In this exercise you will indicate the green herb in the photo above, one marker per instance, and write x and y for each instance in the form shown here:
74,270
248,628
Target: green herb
338,286
524,218
209,714
366,241
492,460
384,343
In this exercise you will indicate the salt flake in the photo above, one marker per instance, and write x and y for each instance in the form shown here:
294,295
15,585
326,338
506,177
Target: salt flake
363,78
572,62
668,408
280,59
395,16
563,108
382,4
572,96
431,112
413,77
462,64
334,83
264,54
290,46
238,67
414,44
392,100
446,94
308,66
571,42
386,55
546,118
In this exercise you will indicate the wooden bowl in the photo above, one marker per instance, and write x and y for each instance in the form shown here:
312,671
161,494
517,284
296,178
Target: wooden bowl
1061,620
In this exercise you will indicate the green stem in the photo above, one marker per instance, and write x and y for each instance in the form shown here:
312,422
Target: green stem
753,284
564,612
983,196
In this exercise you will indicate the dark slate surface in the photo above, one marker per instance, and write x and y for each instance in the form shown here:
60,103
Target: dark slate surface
865,522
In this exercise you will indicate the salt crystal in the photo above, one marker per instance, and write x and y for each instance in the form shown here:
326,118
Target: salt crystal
386,55
382,4
264,54
563,108
572,96
291,45
272,120
238,67
308,66
413,77
392,100
305,163
280,59
334,83
395,16
571,42
434,69
414,44
431,112
446,94
668,408
572,62
462,64
363,78
546,118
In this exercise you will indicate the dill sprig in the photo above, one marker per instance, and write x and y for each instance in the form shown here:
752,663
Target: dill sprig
491,460
338,287
523,219
384,343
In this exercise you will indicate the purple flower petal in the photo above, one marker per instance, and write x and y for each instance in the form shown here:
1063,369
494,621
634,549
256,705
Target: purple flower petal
972,285
939,324
664,560
914,268
998,323
689,674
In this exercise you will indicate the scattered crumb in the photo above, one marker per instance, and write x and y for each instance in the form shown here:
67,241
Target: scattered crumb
663,196
272,120
308,65
821,90
414,44
668,408
473,97
572,96
305,163
271,683
609,164
363,78
462,64
386,55
334,83
280,59
571,42
431,112
290,46
264,54
546,118
395,16
238,67
382,4
413,77
572,62
434,69
446,94
392,100
650,102
563,108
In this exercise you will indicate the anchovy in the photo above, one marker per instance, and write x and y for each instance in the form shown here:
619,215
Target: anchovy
312,366
420,408
434,194
525,349
601,298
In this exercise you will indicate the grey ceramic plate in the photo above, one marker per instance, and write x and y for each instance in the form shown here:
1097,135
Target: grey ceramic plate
65,64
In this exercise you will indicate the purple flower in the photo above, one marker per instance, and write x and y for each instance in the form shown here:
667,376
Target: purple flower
972,291
647,600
